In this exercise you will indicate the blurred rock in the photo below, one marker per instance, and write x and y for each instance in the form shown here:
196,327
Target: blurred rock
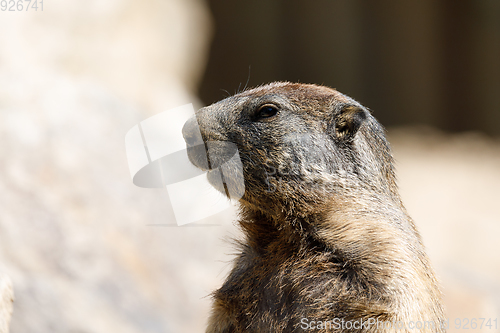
6,299
86,249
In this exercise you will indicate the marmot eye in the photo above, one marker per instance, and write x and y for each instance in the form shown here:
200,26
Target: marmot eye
266,111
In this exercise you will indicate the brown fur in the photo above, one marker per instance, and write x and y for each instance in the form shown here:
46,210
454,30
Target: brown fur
326,235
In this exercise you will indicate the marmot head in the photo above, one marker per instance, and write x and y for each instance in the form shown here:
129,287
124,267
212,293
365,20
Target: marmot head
299,144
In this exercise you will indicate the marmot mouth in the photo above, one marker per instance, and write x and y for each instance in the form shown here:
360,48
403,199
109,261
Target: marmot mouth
220,158
206,153
212,154
198,156
225,169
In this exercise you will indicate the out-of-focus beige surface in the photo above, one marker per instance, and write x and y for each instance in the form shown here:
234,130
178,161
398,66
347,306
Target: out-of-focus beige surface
450,185
6,299
74,234
149,53
87,251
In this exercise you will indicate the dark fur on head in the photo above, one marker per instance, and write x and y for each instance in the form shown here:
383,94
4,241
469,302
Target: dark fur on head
326,234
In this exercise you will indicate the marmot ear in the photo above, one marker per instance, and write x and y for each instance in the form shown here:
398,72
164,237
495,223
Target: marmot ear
348,121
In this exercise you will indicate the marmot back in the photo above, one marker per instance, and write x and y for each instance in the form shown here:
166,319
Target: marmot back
328,244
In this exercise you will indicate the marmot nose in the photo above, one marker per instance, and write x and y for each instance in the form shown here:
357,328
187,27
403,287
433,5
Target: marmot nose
191,132
196,149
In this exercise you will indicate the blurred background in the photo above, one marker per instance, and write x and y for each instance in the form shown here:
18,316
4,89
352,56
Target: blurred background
86,251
